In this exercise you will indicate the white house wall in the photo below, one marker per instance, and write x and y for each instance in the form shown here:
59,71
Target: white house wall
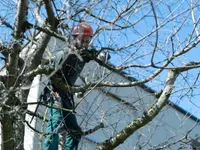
169,126
32,139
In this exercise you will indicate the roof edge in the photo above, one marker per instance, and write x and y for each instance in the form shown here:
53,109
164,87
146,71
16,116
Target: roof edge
150,90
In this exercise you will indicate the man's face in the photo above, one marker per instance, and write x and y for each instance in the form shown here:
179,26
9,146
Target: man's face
82,42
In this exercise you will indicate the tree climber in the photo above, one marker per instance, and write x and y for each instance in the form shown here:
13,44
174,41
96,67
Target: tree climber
68,74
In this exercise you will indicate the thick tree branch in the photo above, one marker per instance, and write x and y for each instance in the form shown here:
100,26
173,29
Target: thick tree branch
44,37
13,56
146,118
40,48
39,70
22,10
51,18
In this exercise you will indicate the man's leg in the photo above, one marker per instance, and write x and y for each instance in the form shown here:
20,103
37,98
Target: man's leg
73,131
73,134
54,123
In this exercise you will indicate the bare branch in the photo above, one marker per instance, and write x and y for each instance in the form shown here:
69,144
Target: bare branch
6,23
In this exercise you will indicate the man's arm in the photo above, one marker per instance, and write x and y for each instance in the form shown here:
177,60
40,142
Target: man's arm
93,53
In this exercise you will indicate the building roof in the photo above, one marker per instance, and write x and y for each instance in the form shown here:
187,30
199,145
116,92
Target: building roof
150,90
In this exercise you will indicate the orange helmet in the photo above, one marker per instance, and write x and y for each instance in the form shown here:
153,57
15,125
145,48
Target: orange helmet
82,29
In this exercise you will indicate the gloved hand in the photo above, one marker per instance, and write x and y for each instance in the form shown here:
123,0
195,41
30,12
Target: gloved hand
104,56
79,94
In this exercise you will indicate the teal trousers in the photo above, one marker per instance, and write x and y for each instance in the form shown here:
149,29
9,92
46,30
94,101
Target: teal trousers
61,120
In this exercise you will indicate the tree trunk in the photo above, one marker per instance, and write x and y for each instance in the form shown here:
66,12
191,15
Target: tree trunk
12,123
19,132
8,142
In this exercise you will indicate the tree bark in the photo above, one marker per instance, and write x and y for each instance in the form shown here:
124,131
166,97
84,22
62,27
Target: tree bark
19,129
8,142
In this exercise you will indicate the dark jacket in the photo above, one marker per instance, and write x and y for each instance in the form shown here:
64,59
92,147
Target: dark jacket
68,72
